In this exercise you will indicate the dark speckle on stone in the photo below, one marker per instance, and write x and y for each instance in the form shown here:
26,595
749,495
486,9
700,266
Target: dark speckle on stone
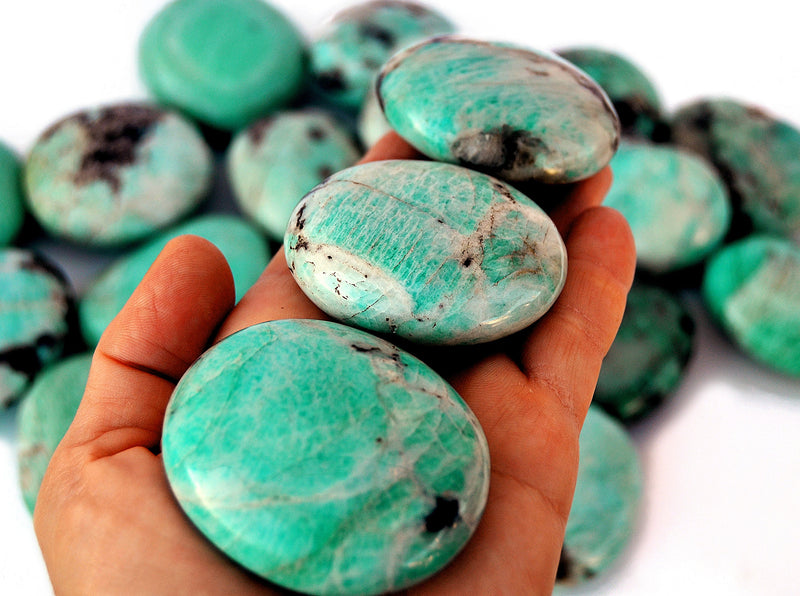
378,33
365,349
315,133
569,571
299,221
25,359
257,130
114,135
301,244
331,80
324,172
467,262
444,515
500,150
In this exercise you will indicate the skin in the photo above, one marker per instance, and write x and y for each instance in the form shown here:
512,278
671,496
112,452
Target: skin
107,522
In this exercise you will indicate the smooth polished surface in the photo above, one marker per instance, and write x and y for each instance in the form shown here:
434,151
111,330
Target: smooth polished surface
273,163
364,471
648,358
43,417
676,204
12,204
752,288
224,62
347,53
606,503
756,154
432,252
239,241
635,97
34,301
116,174
517,114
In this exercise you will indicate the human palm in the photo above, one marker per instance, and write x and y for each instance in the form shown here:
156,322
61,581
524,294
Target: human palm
107,522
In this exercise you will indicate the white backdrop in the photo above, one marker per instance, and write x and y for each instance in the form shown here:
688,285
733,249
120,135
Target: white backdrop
721,460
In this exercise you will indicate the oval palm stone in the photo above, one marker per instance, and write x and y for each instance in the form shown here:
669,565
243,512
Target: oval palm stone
647,360
606,502
676,204
324,459
755,153
515,113
44,416
12,204
433,252
224,62
239,241
113,175
752,288
273,163
35,302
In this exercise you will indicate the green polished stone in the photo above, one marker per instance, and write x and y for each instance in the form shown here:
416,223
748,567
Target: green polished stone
34,304
635,98
241,243
114,175
755,153
675,203
752,288
324,459
648,358
517,114
44,416
606,502
350,49
12,204
276,161
224,62
432,252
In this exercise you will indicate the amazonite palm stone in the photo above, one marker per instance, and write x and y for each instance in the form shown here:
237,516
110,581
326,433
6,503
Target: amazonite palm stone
676,204
12,203
514,113
45,414
752,288
606,502
276,161
363,472
432,252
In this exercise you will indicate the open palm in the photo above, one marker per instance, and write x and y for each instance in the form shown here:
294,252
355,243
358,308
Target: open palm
107,522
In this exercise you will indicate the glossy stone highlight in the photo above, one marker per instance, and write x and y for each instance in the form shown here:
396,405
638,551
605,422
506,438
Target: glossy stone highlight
635,98
433,252
675,203
647,360
607,496
755,153
364,471
34,302
224,62
350,49
12,204
242,245
275,162
44,416
517,114
113,175
752,288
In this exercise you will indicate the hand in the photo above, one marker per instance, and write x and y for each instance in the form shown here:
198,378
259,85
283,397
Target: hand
107,522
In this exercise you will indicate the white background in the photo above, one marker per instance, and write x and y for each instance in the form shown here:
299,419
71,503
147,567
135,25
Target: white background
721,511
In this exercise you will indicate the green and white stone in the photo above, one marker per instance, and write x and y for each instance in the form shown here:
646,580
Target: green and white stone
635,98
432,252
225,63
755,153
752,288
362,470
676,204
348,52
276,161
647,360
34,304
45,414
114,175
606,502
12,204
515,113
241,243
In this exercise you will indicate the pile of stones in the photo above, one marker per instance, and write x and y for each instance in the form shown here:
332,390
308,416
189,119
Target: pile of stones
712,193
